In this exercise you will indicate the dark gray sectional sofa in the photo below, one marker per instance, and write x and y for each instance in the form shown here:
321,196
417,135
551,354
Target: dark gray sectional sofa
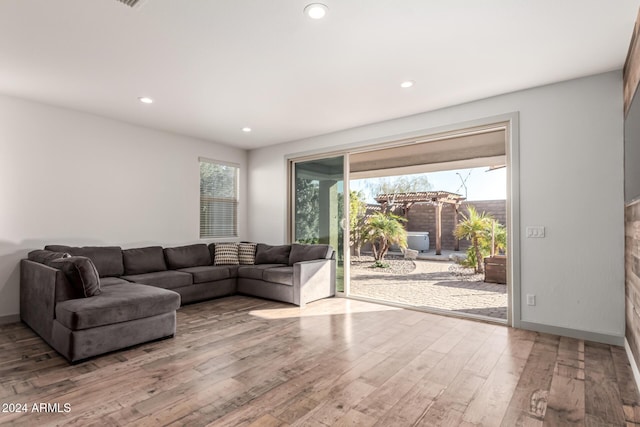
102,299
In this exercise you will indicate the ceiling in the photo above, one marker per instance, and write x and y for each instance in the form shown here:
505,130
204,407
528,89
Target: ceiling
216,66
489,143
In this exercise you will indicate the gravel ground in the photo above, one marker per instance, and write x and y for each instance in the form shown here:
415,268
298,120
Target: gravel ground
397,265
435,284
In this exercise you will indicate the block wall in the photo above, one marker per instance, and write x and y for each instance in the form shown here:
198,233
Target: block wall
422,217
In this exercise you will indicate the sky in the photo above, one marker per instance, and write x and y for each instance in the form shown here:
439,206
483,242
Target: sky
480,183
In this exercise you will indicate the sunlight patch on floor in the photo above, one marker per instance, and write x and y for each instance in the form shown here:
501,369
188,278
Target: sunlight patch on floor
333,306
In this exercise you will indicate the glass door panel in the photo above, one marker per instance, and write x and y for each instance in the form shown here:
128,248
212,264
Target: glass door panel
318,206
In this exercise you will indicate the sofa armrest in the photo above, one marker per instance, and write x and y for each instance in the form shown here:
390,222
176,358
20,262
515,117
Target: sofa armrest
313,280
38,296
41,287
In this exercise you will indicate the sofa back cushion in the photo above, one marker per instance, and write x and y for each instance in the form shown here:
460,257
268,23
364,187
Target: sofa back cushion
46,257
143,260
187,256
301,253
107,259
267,254
81,273
212,251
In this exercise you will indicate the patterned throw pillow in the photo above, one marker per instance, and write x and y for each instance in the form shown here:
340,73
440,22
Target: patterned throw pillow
226,254
247,253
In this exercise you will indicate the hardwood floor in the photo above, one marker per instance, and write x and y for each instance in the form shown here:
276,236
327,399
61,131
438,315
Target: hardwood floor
244,361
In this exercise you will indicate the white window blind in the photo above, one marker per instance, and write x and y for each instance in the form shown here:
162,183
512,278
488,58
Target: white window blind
218,199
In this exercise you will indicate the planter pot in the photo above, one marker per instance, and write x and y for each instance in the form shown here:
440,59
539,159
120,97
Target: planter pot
495,269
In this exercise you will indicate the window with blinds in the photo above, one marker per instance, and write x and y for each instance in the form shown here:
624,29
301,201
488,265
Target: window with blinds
218,199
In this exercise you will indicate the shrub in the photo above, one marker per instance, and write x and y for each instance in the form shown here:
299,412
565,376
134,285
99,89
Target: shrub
379,264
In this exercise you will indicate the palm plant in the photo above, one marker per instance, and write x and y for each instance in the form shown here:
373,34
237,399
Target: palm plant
474,228
499,238
383,230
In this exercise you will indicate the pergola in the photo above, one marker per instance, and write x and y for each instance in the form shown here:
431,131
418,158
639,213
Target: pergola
436,198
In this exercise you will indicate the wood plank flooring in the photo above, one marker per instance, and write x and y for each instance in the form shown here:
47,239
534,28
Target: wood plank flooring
242,361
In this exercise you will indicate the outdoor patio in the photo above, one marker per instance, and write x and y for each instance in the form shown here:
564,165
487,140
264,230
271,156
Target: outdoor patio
429,282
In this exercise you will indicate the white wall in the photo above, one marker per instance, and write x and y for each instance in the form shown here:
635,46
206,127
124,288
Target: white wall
75,178
571,181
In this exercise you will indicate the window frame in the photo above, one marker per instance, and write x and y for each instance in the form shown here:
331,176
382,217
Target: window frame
235,202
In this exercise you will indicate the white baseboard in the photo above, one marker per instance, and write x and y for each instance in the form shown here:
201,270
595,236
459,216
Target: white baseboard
574,333
11,318
632,362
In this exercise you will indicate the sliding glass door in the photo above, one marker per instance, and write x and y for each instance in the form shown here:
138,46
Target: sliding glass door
318,208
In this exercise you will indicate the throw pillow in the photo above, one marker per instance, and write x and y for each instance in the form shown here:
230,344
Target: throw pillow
247,253
81,273
226,254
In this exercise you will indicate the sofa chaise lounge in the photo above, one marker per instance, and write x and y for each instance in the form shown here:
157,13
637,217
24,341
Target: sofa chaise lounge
93,300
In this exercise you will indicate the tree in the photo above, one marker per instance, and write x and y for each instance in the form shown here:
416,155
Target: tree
357,220
307,210
398,184
383,230
474,228
217,180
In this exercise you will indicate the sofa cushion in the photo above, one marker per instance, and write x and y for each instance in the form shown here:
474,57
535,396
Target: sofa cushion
81,273
255,271
162,279
247,253
45,257
300,253
107,259
266,254
226,254
116,303
187,256
233,270
108,281
212,250
208,273
281,275
143,260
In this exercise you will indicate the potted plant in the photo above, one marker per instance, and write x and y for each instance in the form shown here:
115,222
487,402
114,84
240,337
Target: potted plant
495,265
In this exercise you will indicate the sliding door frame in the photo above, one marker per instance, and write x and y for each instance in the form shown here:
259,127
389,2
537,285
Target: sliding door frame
509,121
344,221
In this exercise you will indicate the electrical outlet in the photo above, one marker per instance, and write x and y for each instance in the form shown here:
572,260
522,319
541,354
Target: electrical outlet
531,299
535,231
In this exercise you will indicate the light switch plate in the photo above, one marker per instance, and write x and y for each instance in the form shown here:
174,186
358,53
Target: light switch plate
535,231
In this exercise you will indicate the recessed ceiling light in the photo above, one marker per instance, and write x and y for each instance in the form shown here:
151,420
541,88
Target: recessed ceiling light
145,100
316,10
407,84
246,129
